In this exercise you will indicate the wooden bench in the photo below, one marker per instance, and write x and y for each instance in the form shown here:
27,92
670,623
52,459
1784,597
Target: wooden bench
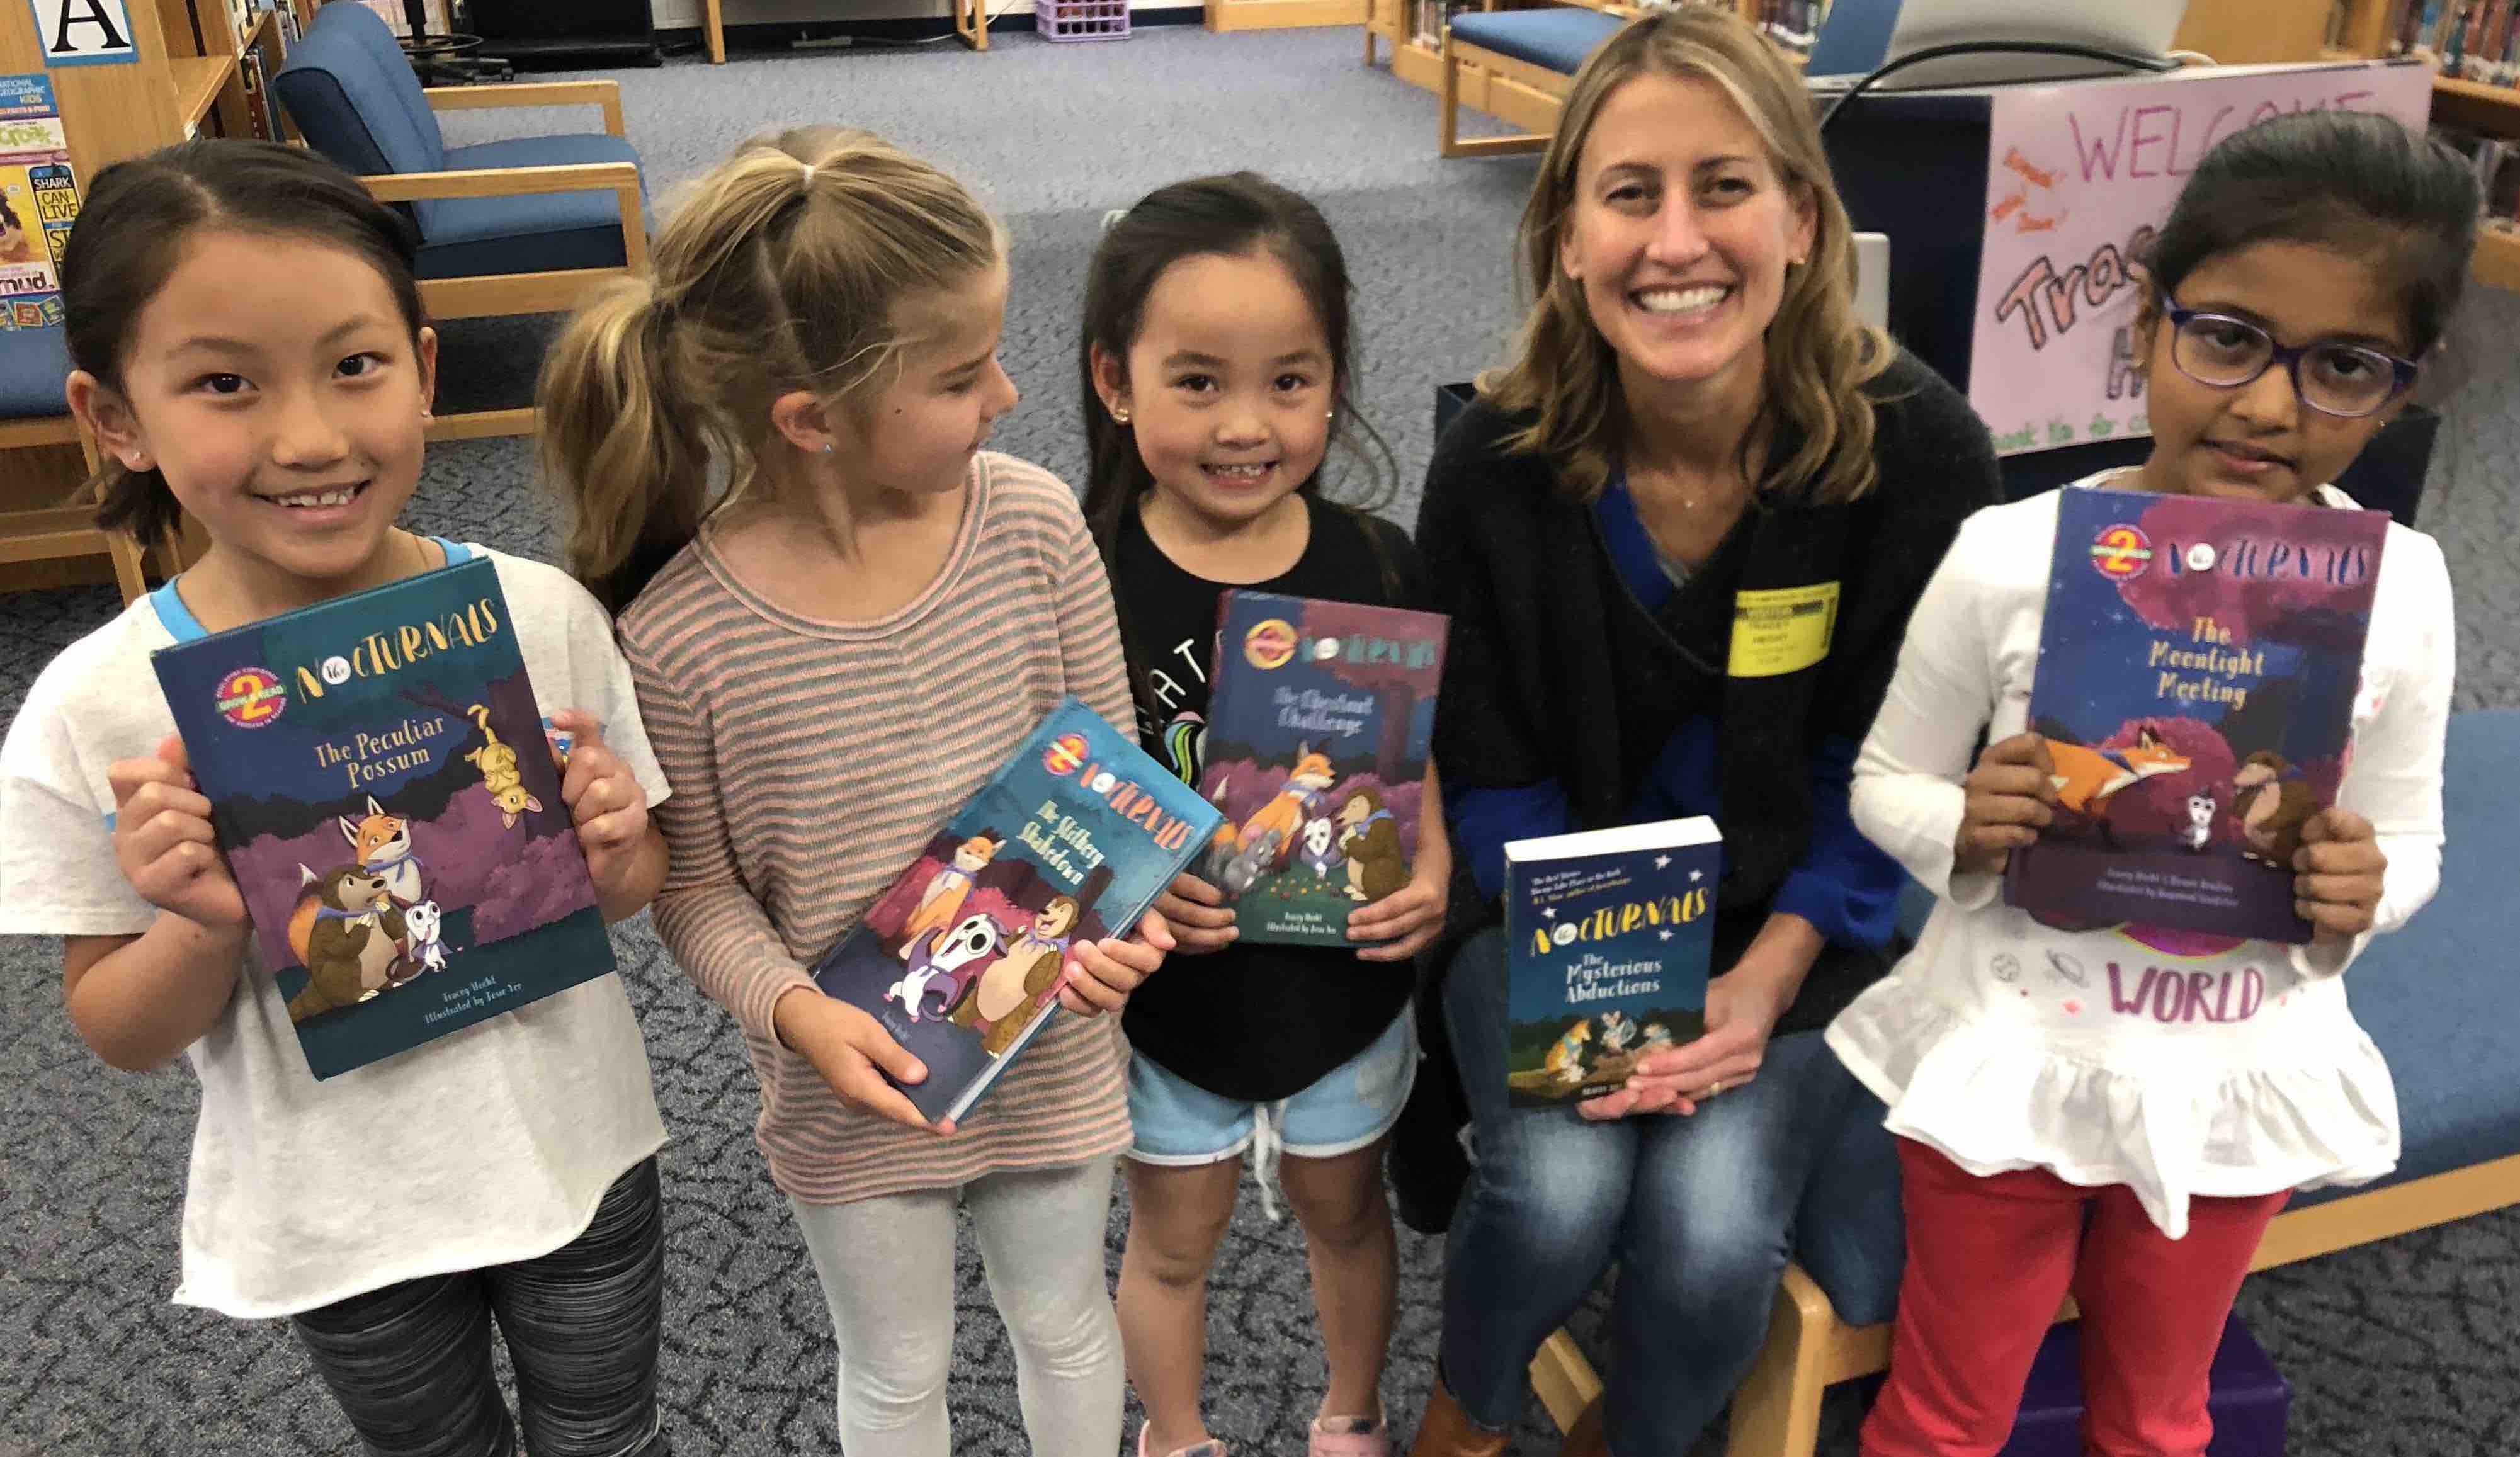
2435,997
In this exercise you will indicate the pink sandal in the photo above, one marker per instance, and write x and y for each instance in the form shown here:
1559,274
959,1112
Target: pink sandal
1349,1436
1208,1448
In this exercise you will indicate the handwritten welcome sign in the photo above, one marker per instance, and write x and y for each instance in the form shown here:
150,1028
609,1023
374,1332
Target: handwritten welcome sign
2079,178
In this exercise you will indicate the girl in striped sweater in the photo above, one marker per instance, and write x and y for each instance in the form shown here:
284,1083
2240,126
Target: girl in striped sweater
832,654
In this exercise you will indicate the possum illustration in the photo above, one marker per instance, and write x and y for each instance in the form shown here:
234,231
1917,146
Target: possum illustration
353,941
1369,838
2198,832
426,953
497,762
1318,852
2271,803
943,965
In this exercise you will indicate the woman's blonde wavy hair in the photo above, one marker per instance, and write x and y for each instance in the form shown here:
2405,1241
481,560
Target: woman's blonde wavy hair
1820,354
785,268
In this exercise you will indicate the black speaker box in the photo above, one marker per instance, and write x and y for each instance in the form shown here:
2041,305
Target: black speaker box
565,34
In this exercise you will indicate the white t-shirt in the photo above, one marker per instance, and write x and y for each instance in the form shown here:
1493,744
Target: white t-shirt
2006,1044
488,1146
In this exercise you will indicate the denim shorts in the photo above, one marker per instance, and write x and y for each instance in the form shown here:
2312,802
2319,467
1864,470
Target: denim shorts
1180,1125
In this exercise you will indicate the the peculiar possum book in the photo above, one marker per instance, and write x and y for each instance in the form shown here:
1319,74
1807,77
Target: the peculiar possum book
2197,668
963,956
380,786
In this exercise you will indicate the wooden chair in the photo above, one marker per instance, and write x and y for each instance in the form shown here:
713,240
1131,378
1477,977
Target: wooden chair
46,512
520,226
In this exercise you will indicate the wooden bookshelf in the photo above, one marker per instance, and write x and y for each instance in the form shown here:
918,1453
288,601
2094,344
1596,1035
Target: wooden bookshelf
2498,259
2472,105
199,80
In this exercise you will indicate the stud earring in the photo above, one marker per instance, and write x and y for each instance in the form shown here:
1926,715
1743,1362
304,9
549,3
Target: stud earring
827,447
1119,415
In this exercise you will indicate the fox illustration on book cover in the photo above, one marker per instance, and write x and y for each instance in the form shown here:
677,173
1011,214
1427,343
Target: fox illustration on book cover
2198,663
385,830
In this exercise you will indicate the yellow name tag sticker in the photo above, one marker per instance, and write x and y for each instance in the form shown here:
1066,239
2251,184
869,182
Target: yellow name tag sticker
1781,630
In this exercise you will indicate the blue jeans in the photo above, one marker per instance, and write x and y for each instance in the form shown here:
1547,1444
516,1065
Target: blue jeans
1698,1213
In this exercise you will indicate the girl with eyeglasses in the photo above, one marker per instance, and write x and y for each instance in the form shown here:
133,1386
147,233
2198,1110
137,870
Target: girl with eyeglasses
2049,1142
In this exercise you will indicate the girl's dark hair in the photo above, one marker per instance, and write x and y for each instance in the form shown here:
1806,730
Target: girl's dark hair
1232,215
2355,182
132,228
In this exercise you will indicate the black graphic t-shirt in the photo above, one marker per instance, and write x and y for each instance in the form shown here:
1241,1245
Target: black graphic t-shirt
1251,1023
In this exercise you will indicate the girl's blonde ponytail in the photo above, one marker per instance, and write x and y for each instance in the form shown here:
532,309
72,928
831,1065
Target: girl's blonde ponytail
784,269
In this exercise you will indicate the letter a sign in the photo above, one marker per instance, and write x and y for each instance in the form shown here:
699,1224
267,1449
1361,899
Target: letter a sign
84,32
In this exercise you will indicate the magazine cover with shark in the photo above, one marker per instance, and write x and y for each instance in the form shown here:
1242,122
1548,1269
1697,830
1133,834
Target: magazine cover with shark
1609,933
380,786
1316,752
963,956
2197,668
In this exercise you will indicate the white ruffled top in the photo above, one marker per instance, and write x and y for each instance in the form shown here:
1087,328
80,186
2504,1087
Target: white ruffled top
2177,1066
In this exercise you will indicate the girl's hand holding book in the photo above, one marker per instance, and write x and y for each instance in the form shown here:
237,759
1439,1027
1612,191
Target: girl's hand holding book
1404,921
163,842
1101,974
853,1053
1200,920
611,812
2010,799
2340,866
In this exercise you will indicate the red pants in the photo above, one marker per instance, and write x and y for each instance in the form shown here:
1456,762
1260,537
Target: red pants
1988,1263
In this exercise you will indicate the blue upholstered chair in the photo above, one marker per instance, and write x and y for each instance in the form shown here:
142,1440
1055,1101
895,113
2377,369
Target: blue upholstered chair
1523,61
521,226
39,435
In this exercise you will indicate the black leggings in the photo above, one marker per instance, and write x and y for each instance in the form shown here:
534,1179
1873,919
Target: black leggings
410,1364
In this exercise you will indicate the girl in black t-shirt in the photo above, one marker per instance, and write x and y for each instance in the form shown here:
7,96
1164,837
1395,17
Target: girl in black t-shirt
1216,372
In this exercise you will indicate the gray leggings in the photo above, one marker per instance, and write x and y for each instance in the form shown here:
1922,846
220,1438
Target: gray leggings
410,1364
888,1271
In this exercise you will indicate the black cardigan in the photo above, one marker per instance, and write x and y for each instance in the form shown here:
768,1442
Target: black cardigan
1555,671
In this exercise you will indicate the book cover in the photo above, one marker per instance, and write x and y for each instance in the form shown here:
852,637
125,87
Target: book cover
381,786
963,956
2197,668
1316,752
38,201
1608,935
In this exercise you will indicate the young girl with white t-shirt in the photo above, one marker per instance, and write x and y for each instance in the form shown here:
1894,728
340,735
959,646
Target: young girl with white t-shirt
251,350
2058,1129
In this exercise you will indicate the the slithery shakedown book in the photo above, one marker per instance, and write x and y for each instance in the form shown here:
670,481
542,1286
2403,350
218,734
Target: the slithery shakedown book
961,957
1608,936
1316,752
380,786
2197,668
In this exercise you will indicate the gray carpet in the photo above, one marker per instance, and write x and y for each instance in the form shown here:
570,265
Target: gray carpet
2409,1347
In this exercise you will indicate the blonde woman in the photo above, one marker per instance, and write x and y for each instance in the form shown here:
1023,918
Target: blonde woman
1693,414
832,655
